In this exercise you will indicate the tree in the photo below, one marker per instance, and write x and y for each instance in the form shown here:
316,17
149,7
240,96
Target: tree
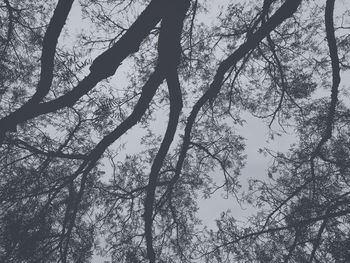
68,182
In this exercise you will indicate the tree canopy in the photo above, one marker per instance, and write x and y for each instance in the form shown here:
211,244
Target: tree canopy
76,180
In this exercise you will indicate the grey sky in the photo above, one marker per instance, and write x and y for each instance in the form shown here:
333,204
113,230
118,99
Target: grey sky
254,130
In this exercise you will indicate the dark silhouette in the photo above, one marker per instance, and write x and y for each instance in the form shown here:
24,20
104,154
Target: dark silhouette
66,183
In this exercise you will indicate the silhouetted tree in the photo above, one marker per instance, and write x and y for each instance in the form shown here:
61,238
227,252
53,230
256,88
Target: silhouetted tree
69,187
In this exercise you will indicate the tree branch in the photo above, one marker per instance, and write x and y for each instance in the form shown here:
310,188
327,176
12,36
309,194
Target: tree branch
169,54
102,67
50,41
285,11
333,52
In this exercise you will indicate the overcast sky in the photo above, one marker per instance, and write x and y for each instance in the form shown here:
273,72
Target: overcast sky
254,130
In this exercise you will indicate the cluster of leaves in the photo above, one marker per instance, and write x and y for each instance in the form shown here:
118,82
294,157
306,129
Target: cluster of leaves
68,189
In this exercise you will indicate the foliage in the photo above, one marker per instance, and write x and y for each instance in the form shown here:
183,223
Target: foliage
169,79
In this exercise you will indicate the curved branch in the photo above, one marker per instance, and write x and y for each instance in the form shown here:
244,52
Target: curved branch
102,67
85,168
50,41
10,26
169,53
175,110
333,53
284,12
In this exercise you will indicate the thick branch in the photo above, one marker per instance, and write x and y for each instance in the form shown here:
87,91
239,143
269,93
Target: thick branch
103,66
10,26
50,41
85,168
175,110
333,52
169,53
285,11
